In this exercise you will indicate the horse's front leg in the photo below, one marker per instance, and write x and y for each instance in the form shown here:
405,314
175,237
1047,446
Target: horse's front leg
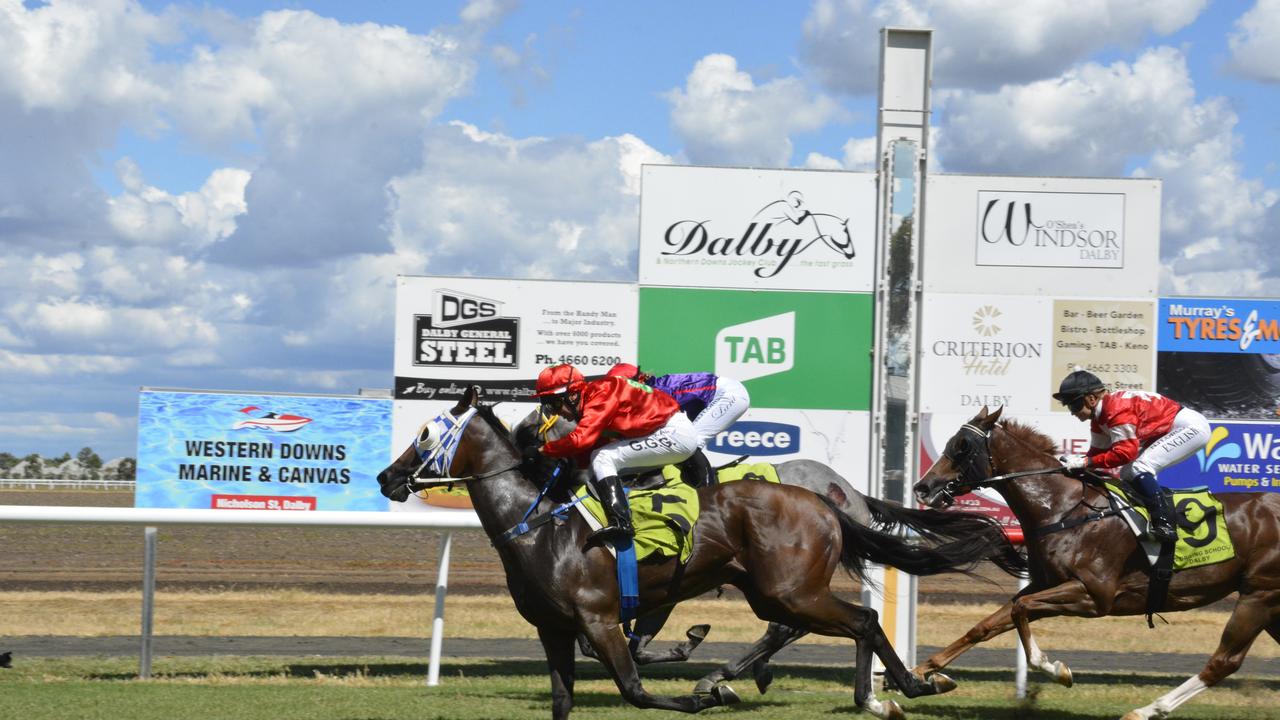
1069,598
997,623
611,648
562,664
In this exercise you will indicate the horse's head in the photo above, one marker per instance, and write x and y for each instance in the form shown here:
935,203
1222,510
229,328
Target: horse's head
434,453
965,461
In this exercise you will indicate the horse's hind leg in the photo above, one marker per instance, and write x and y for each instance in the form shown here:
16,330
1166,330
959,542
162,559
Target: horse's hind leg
776,637
1253,613
997,623
611,646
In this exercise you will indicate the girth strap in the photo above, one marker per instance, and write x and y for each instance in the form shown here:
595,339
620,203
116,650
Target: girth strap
1068,524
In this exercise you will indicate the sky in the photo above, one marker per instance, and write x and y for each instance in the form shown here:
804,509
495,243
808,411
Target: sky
220,195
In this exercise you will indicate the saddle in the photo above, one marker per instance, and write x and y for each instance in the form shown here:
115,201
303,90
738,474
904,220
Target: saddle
1202,536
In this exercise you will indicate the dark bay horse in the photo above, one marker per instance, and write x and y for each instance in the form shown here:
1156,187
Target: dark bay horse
778,545
537,428
1098,568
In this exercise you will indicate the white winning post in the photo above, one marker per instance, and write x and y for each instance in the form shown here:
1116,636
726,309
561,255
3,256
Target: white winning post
152,517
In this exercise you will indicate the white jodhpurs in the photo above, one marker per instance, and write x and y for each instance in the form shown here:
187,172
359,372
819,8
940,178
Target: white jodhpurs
1190,433
727,405
670,444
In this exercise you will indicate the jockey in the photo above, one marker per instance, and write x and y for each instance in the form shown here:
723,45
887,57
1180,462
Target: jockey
622,425
1141,433
713,404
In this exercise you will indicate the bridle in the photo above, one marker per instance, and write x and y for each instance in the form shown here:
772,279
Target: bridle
436,444
967,465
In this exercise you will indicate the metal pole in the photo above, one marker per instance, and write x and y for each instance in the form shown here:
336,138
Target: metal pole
437,625
148,600
1020,672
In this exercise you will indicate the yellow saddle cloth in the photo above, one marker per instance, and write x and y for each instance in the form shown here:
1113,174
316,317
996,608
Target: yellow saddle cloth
663,516
1202,527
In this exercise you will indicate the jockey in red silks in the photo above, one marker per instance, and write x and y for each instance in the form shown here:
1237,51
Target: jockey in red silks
621,425
712,402
1140,433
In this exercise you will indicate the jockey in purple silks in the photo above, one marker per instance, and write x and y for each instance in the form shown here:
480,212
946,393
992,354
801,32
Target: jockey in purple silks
714,403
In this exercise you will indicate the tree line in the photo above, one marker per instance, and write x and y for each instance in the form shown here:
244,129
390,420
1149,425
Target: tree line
87,465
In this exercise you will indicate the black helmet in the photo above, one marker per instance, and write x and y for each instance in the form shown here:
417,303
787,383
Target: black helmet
1077,385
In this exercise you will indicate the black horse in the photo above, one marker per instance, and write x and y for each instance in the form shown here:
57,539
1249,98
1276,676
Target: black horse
778,545
537,428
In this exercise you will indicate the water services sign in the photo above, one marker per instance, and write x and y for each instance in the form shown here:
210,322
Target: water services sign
1239,457
768,229
232,451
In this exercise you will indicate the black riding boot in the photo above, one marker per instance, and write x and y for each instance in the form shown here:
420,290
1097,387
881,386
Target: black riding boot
1158,506
609,490
1161,526
697,470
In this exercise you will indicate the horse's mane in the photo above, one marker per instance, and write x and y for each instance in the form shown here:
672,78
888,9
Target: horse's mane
1030,436
486,411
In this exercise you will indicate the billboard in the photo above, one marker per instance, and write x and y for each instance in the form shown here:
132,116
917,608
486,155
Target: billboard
1239,457
455,332
1221,356
229,451
978,350
832,437
790,349
1066,237
1113,339
757,229
452,333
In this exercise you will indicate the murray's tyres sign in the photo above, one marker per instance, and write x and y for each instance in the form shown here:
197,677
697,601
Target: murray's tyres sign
791,349
1221,356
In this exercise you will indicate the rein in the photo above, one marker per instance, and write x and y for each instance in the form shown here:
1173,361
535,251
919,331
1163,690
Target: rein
1031,533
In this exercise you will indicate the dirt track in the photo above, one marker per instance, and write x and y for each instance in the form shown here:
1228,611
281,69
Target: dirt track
105,557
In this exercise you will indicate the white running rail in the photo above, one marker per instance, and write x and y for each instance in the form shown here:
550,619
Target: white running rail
152,517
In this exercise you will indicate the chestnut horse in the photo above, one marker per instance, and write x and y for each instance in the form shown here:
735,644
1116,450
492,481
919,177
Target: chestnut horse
1097,567
778,545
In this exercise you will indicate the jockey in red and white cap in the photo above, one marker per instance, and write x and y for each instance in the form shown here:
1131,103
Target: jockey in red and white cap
1139,433
623,425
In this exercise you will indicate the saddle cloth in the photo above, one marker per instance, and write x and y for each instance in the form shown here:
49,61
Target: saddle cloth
664,514
1201,522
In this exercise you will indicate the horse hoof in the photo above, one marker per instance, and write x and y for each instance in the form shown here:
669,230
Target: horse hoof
697,634
893,711
1062,674
943,684
724,695
704,687
764,678
1134,715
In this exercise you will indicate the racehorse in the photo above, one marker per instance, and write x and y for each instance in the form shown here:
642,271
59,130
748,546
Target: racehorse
1093,567
778,545
537,428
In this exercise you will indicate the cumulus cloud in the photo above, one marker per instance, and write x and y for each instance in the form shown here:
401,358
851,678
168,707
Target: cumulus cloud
149,215
724,118
489,204
981,43
1254,41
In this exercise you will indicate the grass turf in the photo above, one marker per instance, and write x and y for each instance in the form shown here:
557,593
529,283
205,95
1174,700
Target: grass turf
393,688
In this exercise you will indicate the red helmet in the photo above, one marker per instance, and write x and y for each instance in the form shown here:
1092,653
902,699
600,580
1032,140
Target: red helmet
557,379
624,370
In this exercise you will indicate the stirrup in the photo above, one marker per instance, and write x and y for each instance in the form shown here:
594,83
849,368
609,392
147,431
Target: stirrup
612,533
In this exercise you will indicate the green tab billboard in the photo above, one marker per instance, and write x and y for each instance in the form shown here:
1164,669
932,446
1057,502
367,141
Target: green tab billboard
791,349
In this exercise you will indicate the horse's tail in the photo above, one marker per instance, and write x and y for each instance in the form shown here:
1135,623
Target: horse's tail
954,542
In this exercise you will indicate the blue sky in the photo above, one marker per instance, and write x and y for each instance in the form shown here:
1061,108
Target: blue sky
220,195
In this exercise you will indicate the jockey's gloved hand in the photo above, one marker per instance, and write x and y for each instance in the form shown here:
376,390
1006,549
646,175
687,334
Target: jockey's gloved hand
1074,462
